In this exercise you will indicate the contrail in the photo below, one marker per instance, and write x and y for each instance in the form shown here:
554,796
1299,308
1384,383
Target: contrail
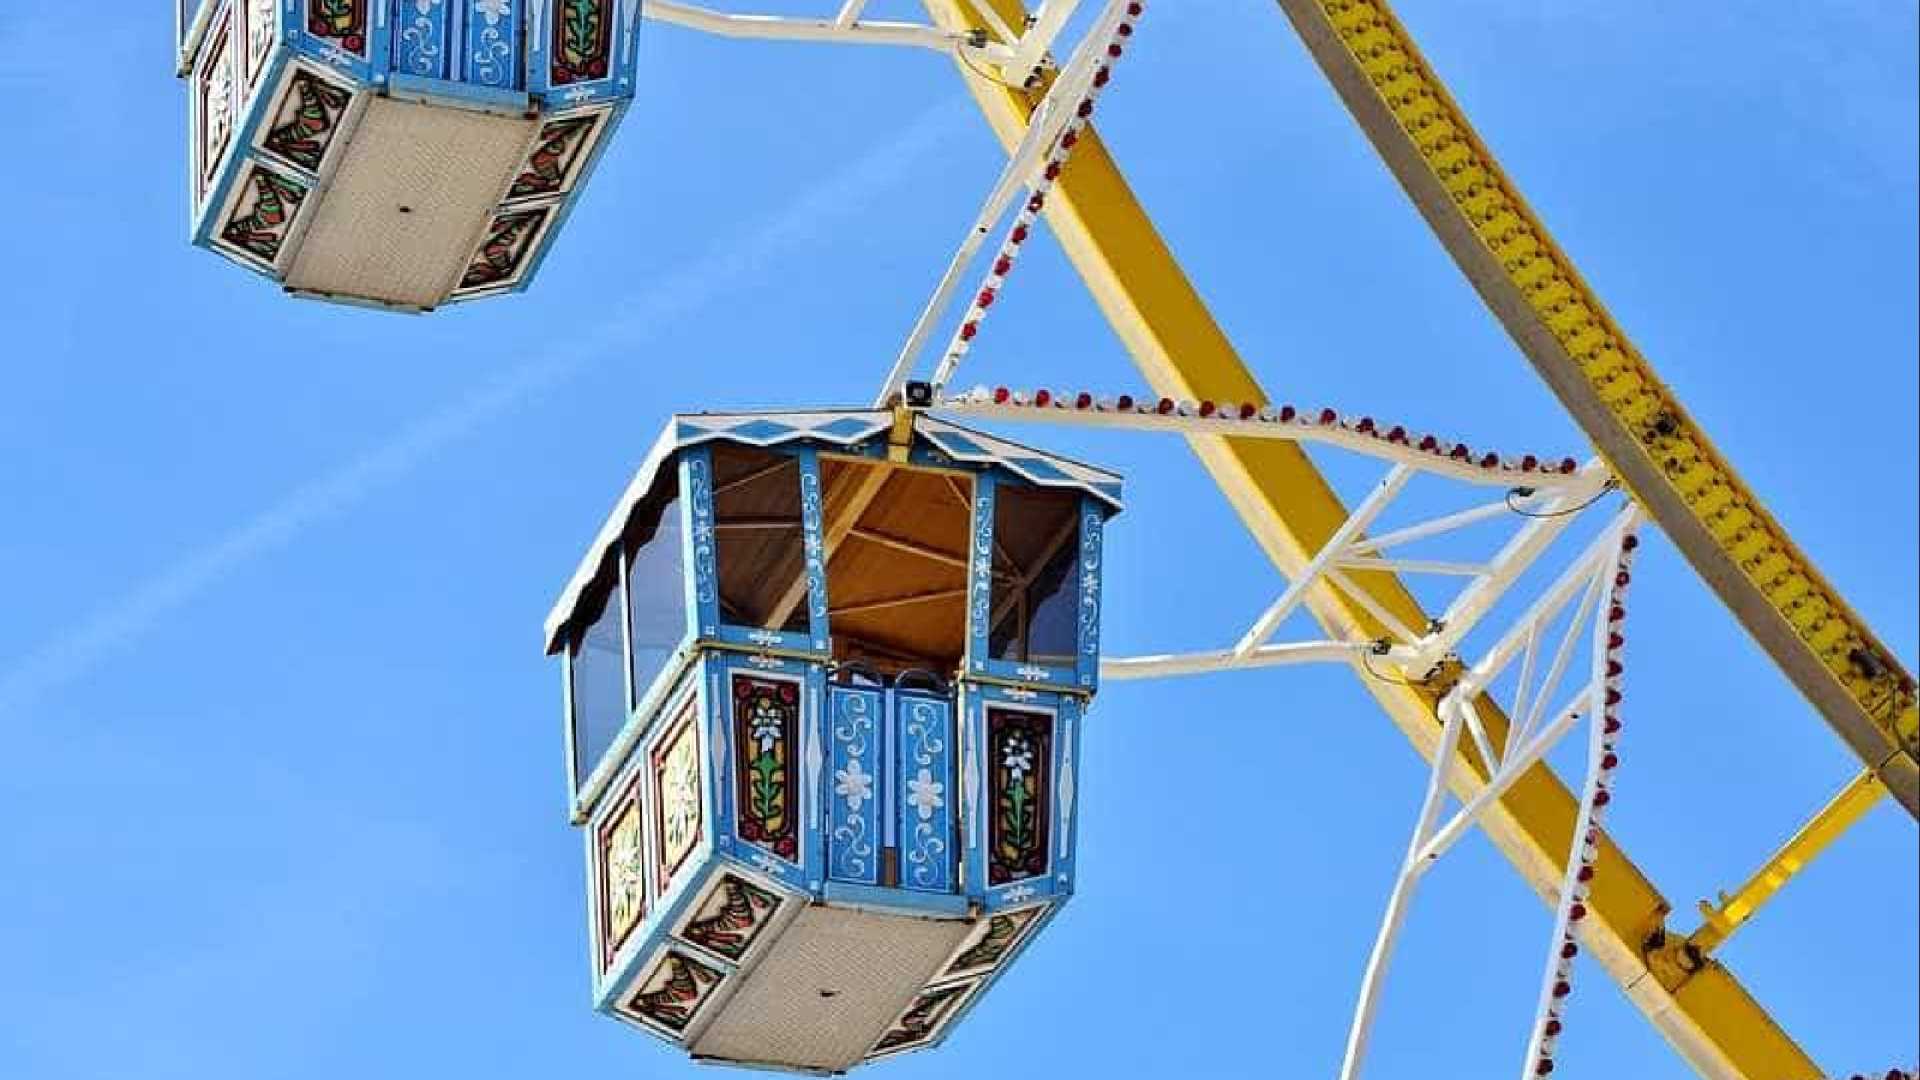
73,654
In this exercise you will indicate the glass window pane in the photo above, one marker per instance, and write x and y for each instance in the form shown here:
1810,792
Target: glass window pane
656,594
1036,576
1053,608
599,686
761,549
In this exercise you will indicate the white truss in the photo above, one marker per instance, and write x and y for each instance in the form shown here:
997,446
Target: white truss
1539,721
1544,500
1547,498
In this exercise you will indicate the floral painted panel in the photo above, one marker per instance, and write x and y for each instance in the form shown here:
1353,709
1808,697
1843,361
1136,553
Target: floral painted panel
504,252
856,717
731,917
550,168
260,30
924,1018
213,111
582,40
991,941
677,786
766,729
262,214
307,118
623,881
674,990
1019,749
925,822
343,22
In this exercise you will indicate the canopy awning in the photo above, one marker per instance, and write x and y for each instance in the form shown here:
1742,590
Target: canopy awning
847,428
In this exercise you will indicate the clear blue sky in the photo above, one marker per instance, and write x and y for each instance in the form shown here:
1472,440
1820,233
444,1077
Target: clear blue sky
279,753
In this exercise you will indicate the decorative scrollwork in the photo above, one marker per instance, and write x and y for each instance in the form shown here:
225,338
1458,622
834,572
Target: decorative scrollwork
706,588
493,44
420,40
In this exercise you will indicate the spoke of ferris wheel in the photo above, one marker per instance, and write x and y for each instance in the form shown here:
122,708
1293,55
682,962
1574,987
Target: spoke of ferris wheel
1053,115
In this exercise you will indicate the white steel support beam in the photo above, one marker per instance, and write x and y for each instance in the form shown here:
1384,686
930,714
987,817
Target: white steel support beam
1200,663
1309,576
1571,581
1042,27
1511,769
790,28
1374,979
1434,527
1196,419
1543,527
1457,709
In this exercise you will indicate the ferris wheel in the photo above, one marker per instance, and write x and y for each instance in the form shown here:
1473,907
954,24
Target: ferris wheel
827,669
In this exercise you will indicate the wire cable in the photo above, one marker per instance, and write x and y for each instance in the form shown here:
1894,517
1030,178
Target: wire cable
1366,661
1612,485
967,62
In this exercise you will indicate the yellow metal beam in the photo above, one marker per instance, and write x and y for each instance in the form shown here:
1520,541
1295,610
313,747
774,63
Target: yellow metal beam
1286,504
1612,392
1839,815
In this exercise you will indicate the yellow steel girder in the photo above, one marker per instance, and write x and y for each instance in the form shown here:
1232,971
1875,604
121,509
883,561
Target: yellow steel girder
1839,815
1611,391
1712,1021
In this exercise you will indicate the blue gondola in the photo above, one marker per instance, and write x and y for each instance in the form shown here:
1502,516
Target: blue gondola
825,679
397,153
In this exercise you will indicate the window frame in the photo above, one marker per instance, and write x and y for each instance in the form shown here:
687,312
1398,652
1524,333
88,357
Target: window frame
578,780
1084,673
637,695
586,790
697,493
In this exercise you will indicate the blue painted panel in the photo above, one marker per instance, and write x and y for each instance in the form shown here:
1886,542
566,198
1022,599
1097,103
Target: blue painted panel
712,673
422,42
405,87
815,546
757,638
1067,772
491,36
980,574
896,901
924,756
703,583
857,729
1093,523
813,845
1063,795
794,854
546,64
